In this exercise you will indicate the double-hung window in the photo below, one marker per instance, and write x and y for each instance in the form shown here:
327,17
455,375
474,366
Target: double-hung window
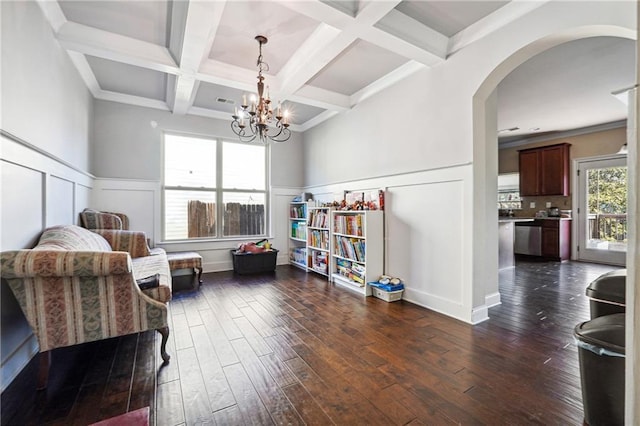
213,188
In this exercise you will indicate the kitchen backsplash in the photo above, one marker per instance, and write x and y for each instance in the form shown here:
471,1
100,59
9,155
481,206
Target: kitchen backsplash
563,203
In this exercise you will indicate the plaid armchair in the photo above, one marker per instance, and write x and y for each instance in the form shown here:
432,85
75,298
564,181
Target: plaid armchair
73,288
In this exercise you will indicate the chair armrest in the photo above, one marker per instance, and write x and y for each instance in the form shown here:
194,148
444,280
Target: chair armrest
63,263
133,242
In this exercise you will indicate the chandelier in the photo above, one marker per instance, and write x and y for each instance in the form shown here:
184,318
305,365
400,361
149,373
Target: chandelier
257,118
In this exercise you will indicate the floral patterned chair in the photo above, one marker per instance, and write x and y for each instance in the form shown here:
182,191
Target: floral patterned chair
79,286
94,219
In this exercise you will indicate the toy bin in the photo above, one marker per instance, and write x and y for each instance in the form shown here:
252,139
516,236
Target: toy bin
253,263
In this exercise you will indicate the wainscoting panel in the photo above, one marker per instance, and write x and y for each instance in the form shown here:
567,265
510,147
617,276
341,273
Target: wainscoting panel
60,203
427,234
38,190
138,199
22,216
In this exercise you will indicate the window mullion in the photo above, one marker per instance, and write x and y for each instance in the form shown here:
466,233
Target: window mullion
219,186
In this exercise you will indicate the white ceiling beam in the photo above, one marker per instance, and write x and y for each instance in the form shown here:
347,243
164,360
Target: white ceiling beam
318,50
492,22
319,11
115,47
409,30
53,13
323,116
321,98
107,95
382,83
224,74
200,29
85,71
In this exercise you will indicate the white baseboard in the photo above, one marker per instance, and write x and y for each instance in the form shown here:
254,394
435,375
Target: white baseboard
493,299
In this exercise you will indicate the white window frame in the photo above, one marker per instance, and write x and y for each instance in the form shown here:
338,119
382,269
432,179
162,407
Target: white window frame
219,191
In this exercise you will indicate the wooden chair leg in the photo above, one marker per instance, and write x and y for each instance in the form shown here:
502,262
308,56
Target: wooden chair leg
43,370
164,331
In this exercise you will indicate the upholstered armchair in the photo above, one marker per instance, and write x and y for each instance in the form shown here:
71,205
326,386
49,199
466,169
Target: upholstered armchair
94,219
76,286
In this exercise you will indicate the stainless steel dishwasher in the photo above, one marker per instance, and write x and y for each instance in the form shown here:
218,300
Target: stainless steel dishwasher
528,239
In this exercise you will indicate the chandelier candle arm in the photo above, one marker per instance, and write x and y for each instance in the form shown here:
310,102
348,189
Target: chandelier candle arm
262,123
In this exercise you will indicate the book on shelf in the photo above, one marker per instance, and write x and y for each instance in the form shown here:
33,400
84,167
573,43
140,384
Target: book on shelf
318,219
352,248
297,211
348,224
299,230
319,239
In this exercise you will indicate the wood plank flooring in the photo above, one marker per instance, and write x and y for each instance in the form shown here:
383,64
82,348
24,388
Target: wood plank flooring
289,348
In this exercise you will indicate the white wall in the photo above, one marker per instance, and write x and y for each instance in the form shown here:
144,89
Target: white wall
44,152
441,118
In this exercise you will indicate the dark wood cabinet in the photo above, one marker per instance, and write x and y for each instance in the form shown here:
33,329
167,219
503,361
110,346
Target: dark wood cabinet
556,239
545,170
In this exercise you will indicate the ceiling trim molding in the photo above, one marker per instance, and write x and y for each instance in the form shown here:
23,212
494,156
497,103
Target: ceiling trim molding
565,134
492,22
321,98
106,95
383,82
85,71
322,117
53,13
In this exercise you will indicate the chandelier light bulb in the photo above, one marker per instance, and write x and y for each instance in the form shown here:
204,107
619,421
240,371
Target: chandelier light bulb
261,122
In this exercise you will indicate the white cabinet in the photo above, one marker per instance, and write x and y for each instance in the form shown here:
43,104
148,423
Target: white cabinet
298,234
319,239
357,245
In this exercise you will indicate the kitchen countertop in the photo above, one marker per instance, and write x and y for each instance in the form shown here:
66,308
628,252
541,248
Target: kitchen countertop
528,219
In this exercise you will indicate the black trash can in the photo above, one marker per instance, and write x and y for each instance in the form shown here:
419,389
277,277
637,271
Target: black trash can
601,350
607,294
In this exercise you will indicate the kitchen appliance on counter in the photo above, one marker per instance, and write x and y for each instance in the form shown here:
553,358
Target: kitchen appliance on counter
553,212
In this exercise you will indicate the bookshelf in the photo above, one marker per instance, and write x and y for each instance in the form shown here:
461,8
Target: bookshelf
357,249
319,240
298,234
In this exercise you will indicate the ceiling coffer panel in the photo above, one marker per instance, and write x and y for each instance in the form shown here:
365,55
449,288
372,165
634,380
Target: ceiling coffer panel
242,21
128,79
356,67
142,20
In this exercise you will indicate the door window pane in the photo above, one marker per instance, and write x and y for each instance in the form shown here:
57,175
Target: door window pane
607,209
244,214
244,166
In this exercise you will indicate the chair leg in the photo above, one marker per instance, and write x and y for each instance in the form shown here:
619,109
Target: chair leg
44,362
164,331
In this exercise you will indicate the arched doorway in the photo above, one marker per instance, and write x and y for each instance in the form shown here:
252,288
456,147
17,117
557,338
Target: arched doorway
485,147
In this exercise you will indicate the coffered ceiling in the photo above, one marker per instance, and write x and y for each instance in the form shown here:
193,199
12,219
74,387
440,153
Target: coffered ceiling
199,57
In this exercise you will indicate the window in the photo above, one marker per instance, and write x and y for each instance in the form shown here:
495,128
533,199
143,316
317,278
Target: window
213,188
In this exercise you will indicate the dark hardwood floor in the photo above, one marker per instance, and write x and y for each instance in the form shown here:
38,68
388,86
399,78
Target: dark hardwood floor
288,348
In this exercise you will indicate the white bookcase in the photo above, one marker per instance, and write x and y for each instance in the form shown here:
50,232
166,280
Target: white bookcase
298,234
357,244
319,240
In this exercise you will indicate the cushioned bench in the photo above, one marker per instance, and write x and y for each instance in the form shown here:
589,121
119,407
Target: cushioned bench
186,260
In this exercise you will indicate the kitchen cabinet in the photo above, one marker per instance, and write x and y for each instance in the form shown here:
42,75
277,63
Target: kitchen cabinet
545,170
556,238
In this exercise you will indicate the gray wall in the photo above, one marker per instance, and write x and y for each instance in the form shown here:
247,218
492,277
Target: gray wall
126,146
44,156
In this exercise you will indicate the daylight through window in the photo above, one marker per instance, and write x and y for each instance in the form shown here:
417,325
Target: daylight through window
213,188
